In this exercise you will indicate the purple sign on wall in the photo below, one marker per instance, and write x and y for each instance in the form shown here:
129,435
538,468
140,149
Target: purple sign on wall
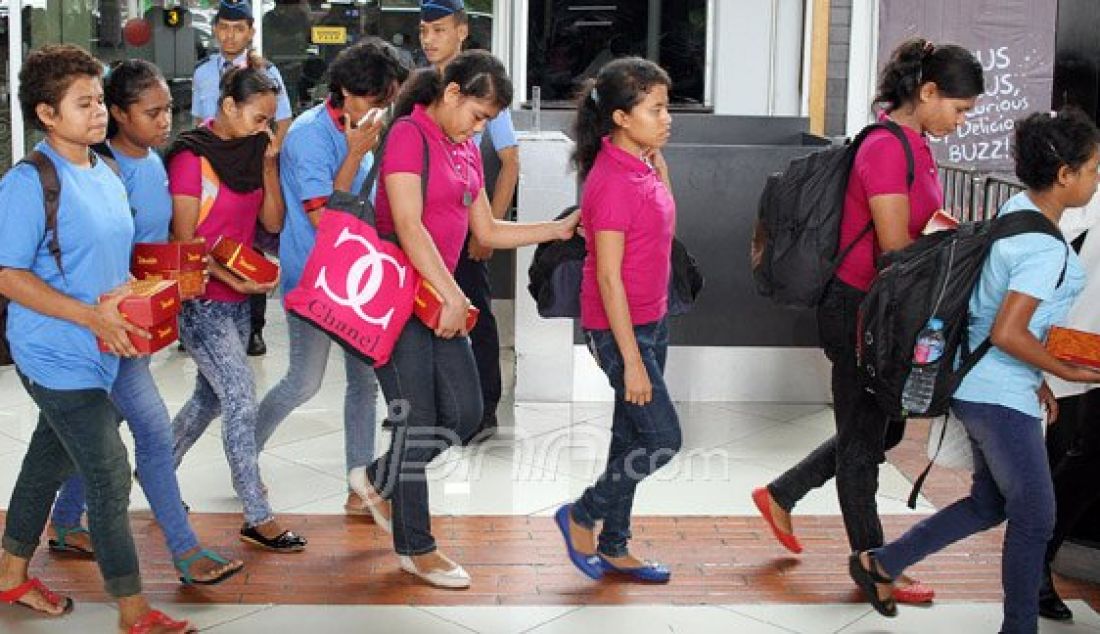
1014,41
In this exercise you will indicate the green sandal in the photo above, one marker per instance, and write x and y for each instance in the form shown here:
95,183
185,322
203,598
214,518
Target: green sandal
184,567
61,543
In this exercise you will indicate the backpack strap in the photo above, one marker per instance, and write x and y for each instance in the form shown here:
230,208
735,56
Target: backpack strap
910,172
51,196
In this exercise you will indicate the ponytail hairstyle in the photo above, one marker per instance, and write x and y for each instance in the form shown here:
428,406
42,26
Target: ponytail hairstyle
915,62
621,84
241,84
1047,141
477,73
126,80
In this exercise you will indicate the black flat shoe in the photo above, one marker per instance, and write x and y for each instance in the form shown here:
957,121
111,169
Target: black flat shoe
867,579
256,345
1052,607
286,542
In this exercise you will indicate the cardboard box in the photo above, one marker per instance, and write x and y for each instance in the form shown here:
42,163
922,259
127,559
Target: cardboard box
940,221
428,306
192,284
163,333
150,302
170,256
1074,346
244,261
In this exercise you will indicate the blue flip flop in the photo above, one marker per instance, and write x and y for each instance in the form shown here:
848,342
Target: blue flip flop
651,572
588,564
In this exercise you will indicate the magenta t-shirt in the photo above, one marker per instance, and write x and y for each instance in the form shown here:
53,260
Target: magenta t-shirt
622,193
455,172
222,211
880,169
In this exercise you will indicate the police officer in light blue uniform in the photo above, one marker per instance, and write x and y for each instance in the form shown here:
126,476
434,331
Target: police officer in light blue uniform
234,30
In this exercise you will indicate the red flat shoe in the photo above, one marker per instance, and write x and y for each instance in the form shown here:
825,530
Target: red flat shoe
914,593
762,498
154,619
15,595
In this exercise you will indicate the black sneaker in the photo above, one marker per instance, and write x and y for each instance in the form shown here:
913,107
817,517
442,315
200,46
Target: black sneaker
256,345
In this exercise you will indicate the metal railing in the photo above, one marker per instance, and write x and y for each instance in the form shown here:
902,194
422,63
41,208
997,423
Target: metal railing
970,195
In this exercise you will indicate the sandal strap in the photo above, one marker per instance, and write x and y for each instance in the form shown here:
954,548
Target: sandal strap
152,619
34,583
63,533
184,565
873,570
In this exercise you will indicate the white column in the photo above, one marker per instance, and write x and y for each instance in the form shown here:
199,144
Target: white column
862,64
15,64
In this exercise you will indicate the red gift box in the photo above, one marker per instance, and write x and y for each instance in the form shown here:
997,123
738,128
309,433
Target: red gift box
192,284
150,302
244,261
1074,346
163,334
170,256
428,306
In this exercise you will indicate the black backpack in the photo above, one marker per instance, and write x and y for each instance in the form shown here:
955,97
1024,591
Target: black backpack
933,277
797,237
557,268
51,195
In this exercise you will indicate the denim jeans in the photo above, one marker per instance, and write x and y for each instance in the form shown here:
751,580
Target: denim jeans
473,279
77,431
135,395
431,387
860,444
643,438
1011,481
216,335
309,347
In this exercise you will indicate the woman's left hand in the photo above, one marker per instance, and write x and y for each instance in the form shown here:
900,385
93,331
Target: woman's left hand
1048,402
567,226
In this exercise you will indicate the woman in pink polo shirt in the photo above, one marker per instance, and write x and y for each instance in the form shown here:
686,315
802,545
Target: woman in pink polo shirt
629,219
926,89
431,380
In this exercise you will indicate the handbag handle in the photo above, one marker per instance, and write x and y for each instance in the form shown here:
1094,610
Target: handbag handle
372,176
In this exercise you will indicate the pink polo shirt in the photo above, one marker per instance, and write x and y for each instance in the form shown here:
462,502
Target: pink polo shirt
880,169
624,194
222,211
455,171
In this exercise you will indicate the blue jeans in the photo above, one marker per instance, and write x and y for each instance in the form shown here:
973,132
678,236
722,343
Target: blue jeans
137,399
643,438
216,336
431,386
309,348
1011,481
77,431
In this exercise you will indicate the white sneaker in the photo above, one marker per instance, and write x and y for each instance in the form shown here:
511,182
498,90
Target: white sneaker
357,480
454,579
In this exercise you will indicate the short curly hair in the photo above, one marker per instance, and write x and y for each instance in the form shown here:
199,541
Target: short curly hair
368,67
1045,142
47,74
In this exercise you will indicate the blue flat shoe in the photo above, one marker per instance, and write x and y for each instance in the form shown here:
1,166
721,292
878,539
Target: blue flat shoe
588,564
651,572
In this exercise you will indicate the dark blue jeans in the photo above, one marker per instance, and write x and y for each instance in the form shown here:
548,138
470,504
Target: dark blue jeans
643,438
1011,481
77,432
431,388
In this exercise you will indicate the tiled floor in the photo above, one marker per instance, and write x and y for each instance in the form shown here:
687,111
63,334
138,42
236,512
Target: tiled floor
492,505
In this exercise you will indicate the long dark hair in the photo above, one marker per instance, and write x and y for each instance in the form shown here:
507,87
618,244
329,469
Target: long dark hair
125,82
915,62
241,84
620,85
1045,142
477,73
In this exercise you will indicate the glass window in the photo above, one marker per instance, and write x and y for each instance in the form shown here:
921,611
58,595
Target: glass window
302,37
570,40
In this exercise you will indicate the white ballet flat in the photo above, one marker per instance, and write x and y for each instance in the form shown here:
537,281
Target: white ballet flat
454,579
357,480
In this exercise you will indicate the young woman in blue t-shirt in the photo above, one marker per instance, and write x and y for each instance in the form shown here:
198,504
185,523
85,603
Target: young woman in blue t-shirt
1027,284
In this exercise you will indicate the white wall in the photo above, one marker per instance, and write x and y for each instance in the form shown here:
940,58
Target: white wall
757,57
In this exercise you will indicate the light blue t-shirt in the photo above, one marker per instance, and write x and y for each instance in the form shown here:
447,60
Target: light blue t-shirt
1030,264
146,184
312,153
206,87
95,232
501,131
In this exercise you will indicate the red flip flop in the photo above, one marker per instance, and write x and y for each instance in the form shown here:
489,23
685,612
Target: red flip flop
154,619
14,596
762,498
915,593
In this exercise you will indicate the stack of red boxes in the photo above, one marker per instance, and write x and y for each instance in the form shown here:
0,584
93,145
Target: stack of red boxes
428,306
153,306
184,262
244,261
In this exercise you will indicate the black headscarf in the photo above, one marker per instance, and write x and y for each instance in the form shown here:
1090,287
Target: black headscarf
239,163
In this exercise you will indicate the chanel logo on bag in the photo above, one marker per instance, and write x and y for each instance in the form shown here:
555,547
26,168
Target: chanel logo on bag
364,279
